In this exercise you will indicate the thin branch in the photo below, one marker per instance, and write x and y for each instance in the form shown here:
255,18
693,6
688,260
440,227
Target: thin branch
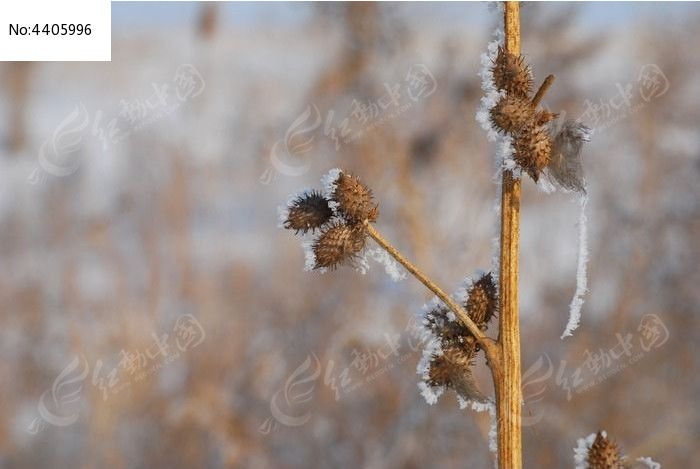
543,90
486,342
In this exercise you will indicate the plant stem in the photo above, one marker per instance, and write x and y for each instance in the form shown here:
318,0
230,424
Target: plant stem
487,343
543,89
506,376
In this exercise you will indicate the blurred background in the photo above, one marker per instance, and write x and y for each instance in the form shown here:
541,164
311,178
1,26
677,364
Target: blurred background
153,314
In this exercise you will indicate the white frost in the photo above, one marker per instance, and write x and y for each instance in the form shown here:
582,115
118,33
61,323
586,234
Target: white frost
581,450
489,407
309,256
504,148
391,267
283,210
648,462
545,185
461,295
328,182
429,393
491,94
581,274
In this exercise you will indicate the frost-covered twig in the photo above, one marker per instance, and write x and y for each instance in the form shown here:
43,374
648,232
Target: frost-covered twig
433,287
581,274
343,214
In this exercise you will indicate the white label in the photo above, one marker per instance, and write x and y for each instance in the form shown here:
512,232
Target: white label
55,30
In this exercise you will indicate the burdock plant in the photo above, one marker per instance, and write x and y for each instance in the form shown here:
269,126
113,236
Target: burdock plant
530,140
599,451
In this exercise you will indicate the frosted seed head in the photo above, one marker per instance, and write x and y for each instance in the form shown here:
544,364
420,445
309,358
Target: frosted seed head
604,454
354,199
308,212
512,74
533,149
339,244
482,302
544,117
511,114
453,369
450,331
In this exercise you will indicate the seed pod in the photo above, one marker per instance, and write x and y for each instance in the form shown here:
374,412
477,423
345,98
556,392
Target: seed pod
354,199
481,305
308,212
544,117
512,74
604,454
482,302
565,166
450,332
512,113
533,149
453,370
339,244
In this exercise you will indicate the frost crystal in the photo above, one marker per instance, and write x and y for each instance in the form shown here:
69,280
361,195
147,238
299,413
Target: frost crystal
581,450
581,275
283,210
504,149
309,256
328,182
546,186
648,462
486,406
391,267
496,239
429,393
462,294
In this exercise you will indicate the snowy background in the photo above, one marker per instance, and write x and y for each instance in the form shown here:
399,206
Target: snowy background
153,315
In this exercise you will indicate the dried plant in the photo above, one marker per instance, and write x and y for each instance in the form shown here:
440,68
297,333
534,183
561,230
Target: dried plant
531,141
449,366
512,74
308,212
604,454
541,144
599,451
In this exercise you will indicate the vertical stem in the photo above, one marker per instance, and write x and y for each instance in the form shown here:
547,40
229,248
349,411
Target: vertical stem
507,376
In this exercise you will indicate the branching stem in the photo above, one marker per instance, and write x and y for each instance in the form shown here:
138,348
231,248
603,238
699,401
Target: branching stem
487,343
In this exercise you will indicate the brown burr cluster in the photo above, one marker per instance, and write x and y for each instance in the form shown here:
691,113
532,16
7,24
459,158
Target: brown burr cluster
604,453
539,145
340,217
452,368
